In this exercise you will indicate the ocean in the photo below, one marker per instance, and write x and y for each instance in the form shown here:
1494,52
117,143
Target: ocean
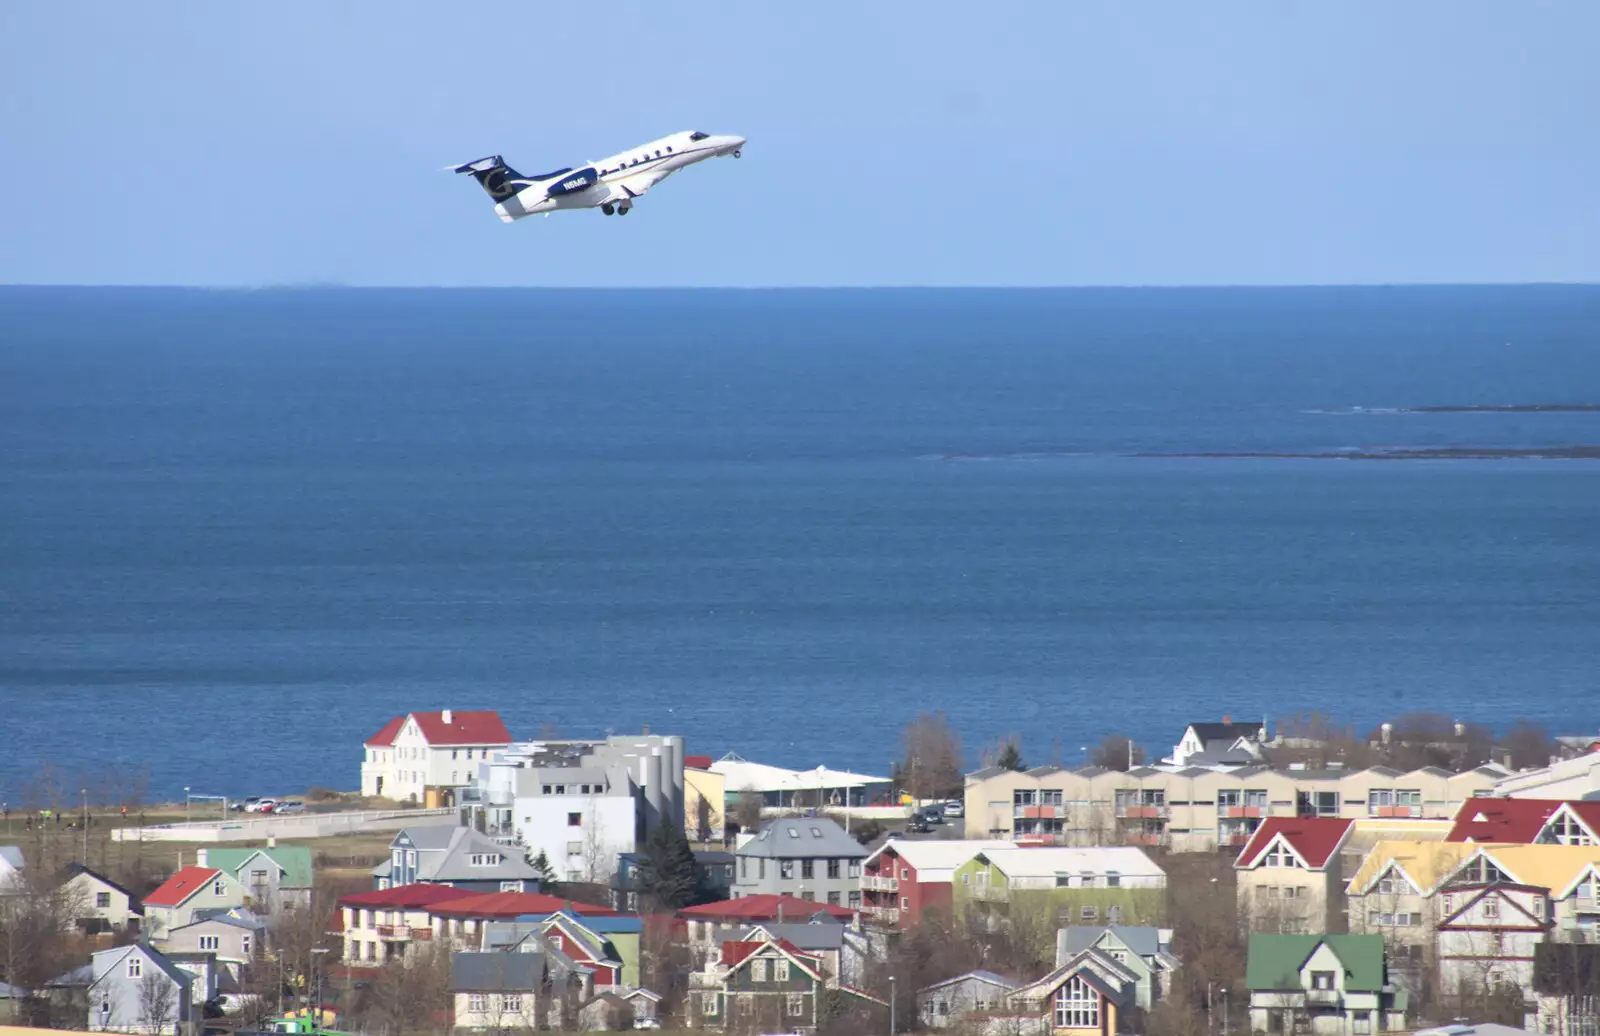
240,529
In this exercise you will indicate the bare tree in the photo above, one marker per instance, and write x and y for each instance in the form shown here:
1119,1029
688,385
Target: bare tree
1118,752
39,936
1529,745
747,809
1316,740
158,1003
931,767
704,819
599,861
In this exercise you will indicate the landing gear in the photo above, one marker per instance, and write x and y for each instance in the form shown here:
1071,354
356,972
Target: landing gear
608,208
738,154
623,210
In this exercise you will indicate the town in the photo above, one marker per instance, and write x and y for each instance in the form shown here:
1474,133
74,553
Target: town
1429,875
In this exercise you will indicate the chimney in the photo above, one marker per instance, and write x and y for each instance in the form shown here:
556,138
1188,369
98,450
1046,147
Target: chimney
1227,719
1461,729
1385,731
448,716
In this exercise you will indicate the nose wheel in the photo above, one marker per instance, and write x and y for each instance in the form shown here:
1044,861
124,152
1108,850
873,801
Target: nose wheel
738,154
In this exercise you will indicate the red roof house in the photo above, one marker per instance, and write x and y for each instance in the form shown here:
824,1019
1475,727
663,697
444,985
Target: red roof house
426,757
406,897
1312,840
181,886
504,905
173,903
1526,821
448,727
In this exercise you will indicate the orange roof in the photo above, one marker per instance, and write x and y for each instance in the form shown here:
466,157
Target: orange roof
178,888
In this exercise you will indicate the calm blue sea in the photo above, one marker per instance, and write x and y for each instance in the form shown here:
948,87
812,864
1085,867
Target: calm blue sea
238,530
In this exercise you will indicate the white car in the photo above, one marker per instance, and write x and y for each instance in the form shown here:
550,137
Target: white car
261,806
954,809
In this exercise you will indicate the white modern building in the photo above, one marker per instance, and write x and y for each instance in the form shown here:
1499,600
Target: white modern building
581,803
780,787
428,757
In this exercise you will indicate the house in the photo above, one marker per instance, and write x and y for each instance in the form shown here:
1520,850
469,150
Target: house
1566,988
580,803
1193,809
137,988
1336,985
903,880
1486,936
770,985
843,950
709,925
714,871
457,856
233,937
276,877
1091,994
643,1003
207,976
426,757
174,902
605,1012
534,989
382,925
808,857
976,994
590,949
11,865
1225,743
1567,779
100,904
1289,876
705,798
1143,950
1528,822
1117,885
465,921
779,788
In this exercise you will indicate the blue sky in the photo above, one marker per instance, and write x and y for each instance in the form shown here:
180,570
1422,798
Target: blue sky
890,143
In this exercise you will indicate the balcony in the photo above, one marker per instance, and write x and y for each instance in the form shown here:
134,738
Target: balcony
1324,997
1038,812
1394,811
1055,838
882,915
1243,812
873,883
1142,812
404,933
1142,838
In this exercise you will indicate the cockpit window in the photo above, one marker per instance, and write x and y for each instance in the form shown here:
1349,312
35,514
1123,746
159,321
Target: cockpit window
697,135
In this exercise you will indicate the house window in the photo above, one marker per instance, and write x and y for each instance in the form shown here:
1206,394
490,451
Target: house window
807,869
511,886
1077,1005
218,888
1090,913
574,820
102,900
1361,1023
708,1004
512,1002
744,866
1113,880
853,899
785,868
574,849
855,868
477,1003
1293,891
244,945
780,971
758,971
833,868
555,942
485,859
1113,914
797,1005
1050,798
1322,980
208,942
905,902
833,899
135,966
1491,908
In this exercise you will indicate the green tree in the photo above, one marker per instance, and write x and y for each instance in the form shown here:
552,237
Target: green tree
667,871
541,866
1010,757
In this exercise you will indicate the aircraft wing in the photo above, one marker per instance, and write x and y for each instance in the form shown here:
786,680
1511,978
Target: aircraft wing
640,182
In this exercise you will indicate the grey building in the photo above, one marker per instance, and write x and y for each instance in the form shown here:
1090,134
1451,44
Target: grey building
808,857
234,937
1145,951
954,1000
533,987
458,856
137,988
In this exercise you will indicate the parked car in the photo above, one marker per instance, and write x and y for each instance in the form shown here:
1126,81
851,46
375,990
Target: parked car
291,806
646,1023
917,826
261,806
954,809
238,805
933,815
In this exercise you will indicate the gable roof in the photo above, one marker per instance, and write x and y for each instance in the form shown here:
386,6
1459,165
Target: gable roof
72,870
696,762
1143,940
177,889
988,977
1501,820
1515,917
765,907
416,896
117,954
1585,811
1275,961
1230,732
444,853
802,837
1314,839
512,904
293,861
1428,865
1110,976
807,936
1425,864
936,859
466,727
737,953
1045,862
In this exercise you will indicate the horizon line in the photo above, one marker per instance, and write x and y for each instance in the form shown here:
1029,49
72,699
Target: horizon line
1221,286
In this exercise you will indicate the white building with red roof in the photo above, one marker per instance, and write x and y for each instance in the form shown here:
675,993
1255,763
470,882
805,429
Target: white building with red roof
174,902
1289,875
426,757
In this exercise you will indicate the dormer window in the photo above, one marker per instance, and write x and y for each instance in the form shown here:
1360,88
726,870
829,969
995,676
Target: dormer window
218,888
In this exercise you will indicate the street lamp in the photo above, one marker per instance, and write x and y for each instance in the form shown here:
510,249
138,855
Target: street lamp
1224,1011
891,1005
317,967
84,793
186,803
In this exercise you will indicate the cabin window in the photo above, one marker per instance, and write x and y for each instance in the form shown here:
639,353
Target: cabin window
697,135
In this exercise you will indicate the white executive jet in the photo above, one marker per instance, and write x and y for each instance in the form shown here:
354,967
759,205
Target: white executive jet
610,184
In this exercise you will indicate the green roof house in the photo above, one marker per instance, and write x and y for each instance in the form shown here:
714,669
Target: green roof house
1336,985
275,877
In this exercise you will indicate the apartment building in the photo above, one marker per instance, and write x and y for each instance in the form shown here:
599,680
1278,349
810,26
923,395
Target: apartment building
1195,809
1081,886
905,879
811,858
384,924
428,757
581,803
